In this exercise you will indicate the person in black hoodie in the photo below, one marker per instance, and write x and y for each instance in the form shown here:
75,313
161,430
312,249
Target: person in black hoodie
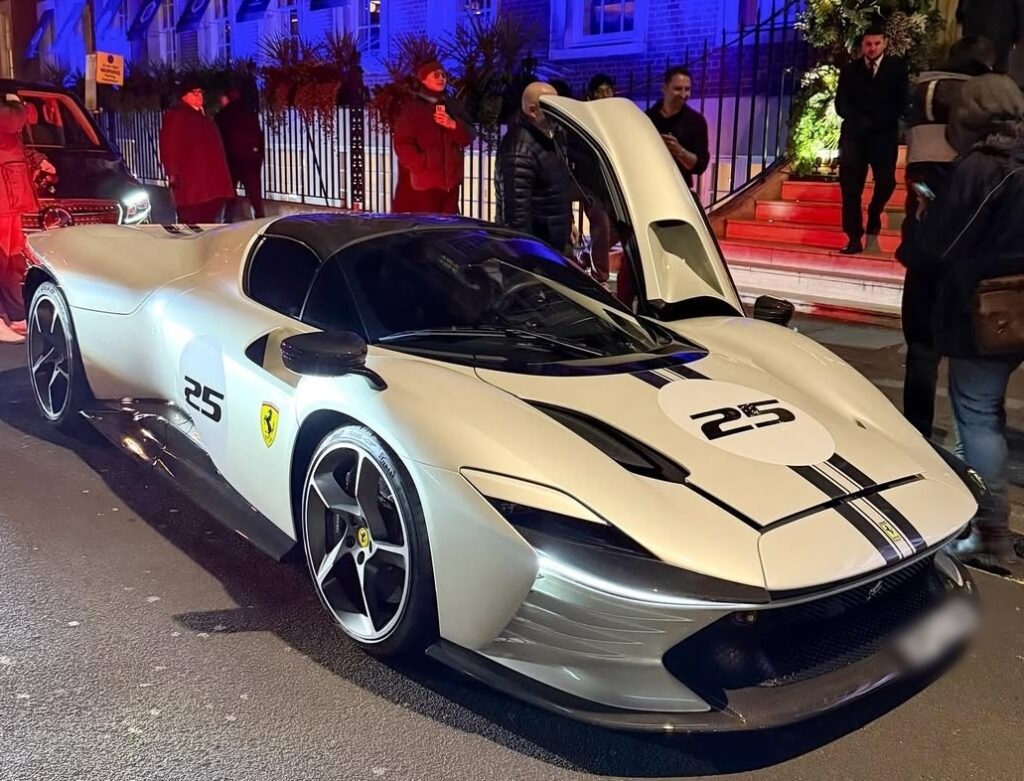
929,165
973,232
244,144
533,183
870,98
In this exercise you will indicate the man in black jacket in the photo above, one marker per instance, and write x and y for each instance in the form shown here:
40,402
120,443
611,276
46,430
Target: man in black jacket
244,144
533,183
973,232
870,98
683,129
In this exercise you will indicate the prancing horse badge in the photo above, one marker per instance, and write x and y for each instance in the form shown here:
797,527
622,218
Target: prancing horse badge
268,423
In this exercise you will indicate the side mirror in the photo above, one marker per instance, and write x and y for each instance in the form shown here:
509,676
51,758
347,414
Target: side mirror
773,310
325,354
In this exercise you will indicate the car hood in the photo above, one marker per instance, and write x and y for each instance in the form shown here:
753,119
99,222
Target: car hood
830,493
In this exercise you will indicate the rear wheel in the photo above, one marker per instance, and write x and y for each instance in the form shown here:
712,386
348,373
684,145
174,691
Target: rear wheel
366,544
55,366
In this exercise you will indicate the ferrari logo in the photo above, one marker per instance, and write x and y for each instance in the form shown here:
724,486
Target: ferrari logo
363,537
268,423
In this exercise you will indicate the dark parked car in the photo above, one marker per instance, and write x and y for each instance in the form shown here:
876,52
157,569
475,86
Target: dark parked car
94,183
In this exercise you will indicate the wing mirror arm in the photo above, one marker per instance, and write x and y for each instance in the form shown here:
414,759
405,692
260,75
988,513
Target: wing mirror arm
327,354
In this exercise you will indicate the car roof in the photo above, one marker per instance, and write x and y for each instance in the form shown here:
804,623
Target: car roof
328,233
13,85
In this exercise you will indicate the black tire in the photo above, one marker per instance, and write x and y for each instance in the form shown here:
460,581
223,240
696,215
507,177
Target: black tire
413,625
59,386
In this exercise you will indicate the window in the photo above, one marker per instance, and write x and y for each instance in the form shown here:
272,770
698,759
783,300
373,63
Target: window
280,273
597,28
368,25
608,17
55,121
215,36
163,41
482,10
330,306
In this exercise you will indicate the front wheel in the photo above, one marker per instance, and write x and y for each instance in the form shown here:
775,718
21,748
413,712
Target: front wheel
366,544
55,367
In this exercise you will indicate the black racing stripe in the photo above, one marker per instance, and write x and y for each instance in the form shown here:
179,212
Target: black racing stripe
850,471
870,532
899,520
173,229
652,378
687,372
819,481
195,229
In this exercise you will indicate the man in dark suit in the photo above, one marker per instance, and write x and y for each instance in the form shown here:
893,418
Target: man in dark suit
871,96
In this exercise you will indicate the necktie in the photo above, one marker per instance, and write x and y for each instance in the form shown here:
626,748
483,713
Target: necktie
873,64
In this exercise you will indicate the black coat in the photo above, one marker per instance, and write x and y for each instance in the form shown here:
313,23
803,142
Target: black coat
533,184
1001,21
872,106
242,134
971,233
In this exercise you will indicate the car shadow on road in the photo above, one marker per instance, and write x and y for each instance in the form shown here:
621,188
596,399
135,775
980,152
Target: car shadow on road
278,598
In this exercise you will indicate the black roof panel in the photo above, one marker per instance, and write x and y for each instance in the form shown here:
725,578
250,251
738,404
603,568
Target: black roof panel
328,233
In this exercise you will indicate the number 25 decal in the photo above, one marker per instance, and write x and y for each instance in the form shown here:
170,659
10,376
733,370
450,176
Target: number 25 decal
208,398
716,427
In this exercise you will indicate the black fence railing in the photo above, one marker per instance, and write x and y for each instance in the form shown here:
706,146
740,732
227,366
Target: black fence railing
744,87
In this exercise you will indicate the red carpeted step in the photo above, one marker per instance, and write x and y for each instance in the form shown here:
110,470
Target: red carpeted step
814,213
796,233
794,257
829,192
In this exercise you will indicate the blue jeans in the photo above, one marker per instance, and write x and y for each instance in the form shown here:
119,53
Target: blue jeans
977,390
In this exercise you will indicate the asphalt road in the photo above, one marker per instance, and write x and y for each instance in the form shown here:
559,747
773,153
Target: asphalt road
141,640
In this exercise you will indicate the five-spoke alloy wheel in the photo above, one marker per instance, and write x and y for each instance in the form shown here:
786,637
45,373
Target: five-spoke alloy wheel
365,544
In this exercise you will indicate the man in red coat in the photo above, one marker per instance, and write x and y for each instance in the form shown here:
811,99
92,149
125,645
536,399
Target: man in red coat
430,135
193,156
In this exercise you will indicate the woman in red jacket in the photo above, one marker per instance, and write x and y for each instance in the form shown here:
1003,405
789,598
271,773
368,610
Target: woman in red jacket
17,198
430,135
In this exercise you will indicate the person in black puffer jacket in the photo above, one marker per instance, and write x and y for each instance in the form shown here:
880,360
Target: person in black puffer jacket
930,159
971,233
533,183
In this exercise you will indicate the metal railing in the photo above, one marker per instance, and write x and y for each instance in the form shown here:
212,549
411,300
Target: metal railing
744,88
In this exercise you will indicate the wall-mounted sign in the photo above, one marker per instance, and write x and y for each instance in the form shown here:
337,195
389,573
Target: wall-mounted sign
109,69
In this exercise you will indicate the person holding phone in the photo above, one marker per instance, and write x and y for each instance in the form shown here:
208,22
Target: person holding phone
930,159
430,135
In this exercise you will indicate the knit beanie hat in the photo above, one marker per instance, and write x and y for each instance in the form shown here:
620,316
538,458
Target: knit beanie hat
427,68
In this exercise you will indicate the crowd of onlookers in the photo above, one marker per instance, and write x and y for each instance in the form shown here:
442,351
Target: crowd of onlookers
962,239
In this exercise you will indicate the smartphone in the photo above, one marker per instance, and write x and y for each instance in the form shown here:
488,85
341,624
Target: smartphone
924,191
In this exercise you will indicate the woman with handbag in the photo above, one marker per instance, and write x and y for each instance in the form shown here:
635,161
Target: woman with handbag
972,240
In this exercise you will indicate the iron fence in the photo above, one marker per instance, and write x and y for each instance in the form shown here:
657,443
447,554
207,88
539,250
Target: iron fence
745,87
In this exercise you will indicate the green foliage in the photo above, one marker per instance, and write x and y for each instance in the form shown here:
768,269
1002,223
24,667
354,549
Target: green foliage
817,124
834,27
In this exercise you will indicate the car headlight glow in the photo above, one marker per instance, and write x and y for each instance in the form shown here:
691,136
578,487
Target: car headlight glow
135,207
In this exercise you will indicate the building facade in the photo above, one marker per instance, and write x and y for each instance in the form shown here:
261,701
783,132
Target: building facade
572,39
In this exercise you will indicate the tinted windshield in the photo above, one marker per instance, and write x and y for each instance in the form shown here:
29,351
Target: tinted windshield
56,121
495,298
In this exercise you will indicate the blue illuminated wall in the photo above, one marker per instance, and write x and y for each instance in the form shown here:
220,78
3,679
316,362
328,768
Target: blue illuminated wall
573,38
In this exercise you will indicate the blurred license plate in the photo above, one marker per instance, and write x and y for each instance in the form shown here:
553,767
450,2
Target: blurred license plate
937,633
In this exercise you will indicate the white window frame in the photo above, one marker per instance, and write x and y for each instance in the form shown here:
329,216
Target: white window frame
161,39
360,22
215,31
568,41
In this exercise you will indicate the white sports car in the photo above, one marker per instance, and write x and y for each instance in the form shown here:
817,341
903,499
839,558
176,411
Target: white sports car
681,519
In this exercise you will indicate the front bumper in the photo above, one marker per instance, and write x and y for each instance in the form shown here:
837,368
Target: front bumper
667,666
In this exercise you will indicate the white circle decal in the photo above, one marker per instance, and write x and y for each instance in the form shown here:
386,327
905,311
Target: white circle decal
746,422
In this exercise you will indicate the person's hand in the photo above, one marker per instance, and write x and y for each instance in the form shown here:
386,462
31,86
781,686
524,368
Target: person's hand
441,117
575,235
47,167
672,143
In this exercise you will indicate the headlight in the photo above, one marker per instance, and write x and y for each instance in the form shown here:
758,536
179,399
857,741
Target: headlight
135,207
574,544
